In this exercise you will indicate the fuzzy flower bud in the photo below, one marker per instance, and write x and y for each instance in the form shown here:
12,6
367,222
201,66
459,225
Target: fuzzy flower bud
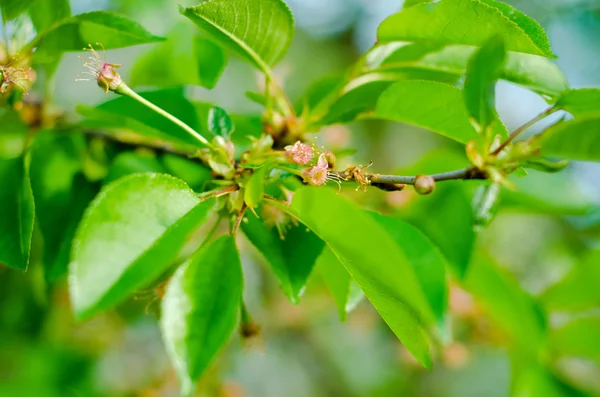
102,72
299,153
424,184
317,175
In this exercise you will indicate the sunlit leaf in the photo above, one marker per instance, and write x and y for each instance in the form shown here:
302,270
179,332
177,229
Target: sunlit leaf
75,33
470,22
200,309
577,139
132,232
258,31
382,271
434,106
46,12
580,102
428,263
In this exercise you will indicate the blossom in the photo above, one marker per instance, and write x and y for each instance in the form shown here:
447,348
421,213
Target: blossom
299,153
17,76
103,72
317,175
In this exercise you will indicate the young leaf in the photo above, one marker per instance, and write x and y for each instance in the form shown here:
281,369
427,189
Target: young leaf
16,212
470,22
219,122
580,102
75,33
255,188
346,293
11,9
291,258
258,31
129,235
428,263
200,309
434,106
483,72
577,139
379,267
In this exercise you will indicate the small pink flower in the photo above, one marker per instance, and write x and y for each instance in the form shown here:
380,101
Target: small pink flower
317,175
299,153
103,72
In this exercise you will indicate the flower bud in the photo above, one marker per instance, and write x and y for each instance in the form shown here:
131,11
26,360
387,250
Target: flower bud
299,153
424,184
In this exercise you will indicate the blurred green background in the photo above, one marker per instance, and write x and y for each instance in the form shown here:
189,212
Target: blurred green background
536,275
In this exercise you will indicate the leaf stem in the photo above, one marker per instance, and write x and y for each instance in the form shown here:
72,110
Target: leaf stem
522,128
124,89
238,221
218,193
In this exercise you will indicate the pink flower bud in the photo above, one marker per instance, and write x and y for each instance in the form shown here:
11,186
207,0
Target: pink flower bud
299,153
101,71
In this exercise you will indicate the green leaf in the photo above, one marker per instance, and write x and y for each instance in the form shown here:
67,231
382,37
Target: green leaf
434,106
427,262
195,174
346,293
577,338
255,188
578,290
210,60
291,254
75,33
507,304
172,63
577,139
46,12
16,212
258,31
470,22
200,309
11,9
374,260
127,163
412,3
61,194
536,73
219,122
131,233
483,72
580,102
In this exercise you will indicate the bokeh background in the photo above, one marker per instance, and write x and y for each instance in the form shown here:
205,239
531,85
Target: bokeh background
541,234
